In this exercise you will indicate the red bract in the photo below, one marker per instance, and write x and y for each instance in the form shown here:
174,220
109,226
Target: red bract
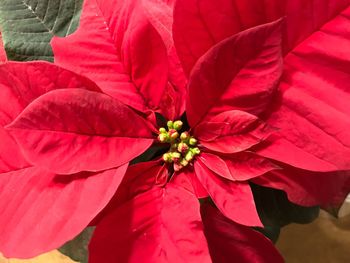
251,124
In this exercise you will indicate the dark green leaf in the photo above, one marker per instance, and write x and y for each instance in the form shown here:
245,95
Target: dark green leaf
276,210
29,25
77,249
271,232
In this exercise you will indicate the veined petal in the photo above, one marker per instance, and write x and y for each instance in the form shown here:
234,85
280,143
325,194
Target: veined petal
117,47
228,240
160,14
41,211
200,24
234,199
232,131
20,84
187,179
313,113
240,73
306,188
73,130
237,167
152,228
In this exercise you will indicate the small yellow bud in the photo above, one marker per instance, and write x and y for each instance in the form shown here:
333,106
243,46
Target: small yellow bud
175,156
170,124
184,162
192,141
196,151
184,136
174,135
162,130
167,157
182,147
189,156
162,137
177,125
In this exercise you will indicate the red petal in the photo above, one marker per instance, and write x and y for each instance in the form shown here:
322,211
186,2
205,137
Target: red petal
213,21
228,240
139,178
314,116
160,15
231,131
40,211
117,47
200,24
308,188
234,199
239,167
20,84
187,179
151,228
239,73
299,24
282,150
68,131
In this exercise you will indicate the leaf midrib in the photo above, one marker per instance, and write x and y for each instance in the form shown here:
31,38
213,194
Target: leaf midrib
30,9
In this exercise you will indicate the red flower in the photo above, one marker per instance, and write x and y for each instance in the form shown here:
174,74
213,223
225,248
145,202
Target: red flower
126,48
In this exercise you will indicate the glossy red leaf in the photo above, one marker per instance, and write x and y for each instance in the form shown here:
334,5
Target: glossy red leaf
73,130
230,242
117,47
238,167
200,24
139,178
240,73
20,84
40,211
188,179
313,112
160,14
231,131
305,188
151,227
234,199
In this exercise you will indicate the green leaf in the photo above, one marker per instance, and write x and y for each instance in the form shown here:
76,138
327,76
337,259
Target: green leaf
77,249
29,25
275,210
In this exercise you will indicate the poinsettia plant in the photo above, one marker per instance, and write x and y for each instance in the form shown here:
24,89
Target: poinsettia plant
160,122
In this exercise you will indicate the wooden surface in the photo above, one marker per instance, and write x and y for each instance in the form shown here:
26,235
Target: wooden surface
51,257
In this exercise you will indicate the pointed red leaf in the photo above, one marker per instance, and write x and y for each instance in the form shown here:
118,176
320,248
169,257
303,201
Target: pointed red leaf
313,114
309,188
20,84
200,24
40,211
161,225
186,178
117,47
139,178
73,130
212,21
234,199
160,14
228,240
239,73
238,167
231,131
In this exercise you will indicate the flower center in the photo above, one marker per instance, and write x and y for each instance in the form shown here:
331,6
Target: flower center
183,147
